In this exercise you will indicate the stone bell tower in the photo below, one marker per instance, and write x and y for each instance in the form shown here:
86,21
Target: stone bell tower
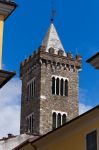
50,85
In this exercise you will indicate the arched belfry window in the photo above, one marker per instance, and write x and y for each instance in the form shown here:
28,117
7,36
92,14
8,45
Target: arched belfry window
54,120
31,89
61,87
59,120
64,119
66,87
30,123
53,85
34,88
30,120
57,86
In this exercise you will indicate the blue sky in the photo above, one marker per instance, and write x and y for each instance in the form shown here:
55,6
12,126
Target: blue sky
77,23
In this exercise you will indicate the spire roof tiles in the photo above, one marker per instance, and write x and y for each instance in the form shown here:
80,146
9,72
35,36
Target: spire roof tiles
52,40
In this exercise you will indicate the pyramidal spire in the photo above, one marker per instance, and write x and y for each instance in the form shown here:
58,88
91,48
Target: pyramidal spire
52,40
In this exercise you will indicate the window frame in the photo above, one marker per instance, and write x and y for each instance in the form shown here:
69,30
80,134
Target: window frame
58,91
31,89
30,127
58,112
96,138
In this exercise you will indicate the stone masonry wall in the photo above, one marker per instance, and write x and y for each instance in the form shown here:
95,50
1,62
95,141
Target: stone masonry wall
29,71
42,65
49,102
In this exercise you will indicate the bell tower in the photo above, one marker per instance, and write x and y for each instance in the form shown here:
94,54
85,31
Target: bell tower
50,85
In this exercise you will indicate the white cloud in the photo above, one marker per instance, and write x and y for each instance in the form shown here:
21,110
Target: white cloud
10,107
83,108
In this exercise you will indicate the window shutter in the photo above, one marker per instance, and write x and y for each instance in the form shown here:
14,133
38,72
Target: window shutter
91,141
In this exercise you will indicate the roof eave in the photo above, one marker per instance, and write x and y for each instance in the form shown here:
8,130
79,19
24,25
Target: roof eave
4,12
5,76
94,61
53,131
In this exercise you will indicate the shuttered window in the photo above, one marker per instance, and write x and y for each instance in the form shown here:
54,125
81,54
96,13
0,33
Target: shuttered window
91,141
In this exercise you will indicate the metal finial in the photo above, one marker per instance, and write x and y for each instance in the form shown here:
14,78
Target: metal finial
53,12
76,51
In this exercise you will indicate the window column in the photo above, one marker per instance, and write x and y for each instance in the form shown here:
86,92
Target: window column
55,86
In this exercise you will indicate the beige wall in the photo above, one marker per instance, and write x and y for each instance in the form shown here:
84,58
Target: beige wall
76,141
27,147
71,136
1,38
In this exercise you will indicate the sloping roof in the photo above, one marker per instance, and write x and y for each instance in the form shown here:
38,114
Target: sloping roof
8,2
10,143
94,60
7,7
29,140
52,40
5,76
